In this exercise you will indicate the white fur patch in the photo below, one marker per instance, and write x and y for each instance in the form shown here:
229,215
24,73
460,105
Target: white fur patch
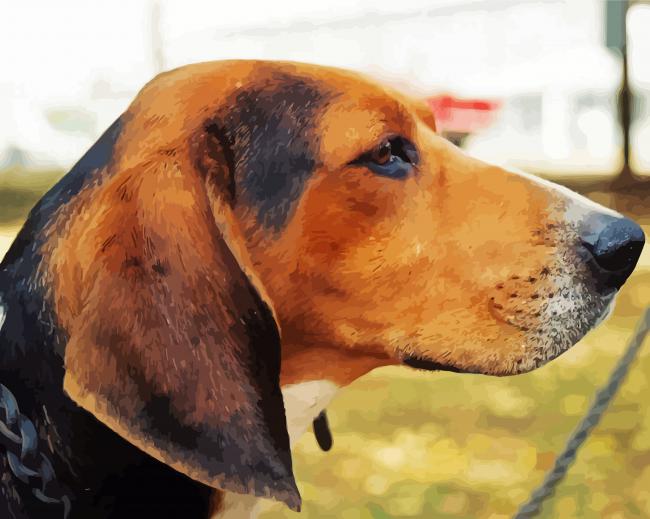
303,402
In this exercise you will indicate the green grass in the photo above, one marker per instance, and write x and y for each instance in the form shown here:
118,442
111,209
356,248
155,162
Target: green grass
20,190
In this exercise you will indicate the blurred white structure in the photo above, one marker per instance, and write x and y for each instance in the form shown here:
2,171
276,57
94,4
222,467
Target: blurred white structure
74,66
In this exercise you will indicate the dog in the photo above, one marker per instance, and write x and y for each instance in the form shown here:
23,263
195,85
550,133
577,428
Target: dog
247,238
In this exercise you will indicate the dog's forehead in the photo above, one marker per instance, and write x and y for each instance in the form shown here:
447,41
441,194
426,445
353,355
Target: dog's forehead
279,121
345,90
358,109
187,97
279,125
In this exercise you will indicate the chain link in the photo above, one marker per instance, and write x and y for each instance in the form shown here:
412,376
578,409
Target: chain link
603,398
18,435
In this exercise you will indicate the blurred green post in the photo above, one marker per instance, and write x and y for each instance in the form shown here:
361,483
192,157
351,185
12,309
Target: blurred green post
616,38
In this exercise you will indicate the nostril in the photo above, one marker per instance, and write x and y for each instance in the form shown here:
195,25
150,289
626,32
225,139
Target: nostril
619,255
615,245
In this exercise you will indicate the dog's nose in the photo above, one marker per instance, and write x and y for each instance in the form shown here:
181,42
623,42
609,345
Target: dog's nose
615,244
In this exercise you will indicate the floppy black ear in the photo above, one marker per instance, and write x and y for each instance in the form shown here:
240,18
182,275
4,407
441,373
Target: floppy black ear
170,344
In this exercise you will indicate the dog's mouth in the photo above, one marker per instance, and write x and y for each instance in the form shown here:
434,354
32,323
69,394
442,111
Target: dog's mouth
430,365
556,335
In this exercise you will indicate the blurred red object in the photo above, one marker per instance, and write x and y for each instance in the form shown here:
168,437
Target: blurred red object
462,116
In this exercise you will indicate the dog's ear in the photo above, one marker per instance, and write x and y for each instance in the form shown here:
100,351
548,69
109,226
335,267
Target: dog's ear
169,342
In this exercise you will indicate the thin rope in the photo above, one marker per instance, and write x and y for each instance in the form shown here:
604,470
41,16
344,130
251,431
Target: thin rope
603,398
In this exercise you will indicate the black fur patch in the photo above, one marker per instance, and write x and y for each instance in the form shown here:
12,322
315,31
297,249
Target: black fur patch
269,131
31,349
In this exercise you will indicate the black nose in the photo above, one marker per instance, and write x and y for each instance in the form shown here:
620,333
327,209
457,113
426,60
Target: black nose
614,245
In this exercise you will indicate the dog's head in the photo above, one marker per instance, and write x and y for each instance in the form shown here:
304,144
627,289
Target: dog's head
244,203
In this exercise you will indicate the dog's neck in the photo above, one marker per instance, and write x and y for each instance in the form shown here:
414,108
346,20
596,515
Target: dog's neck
67,427
303,402
329,369
31,350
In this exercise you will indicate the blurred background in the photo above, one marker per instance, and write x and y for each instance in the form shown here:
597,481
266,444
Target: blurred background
541,85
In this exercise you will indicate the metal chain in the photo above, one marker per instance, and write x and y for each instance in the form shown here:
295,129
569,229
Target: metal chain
18,435
603,398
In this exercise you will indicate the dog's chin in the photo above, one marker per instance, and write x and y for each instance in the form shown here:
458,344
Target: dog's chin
563,328
544,344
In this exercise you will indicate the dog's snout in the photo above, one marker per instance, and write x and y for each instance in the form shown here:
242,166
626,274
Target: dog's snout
614,245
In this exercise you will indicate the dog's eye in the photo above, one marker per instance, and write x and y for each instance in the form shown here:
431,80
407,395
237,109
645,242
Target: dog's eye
393,157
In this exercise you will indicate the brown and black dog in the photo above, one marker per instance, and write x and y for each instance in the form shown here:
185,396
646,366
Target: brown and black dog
248,237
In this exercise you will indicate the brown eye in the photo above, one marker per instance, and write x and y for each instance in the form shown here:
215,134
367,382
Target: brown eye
382,153
394,157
